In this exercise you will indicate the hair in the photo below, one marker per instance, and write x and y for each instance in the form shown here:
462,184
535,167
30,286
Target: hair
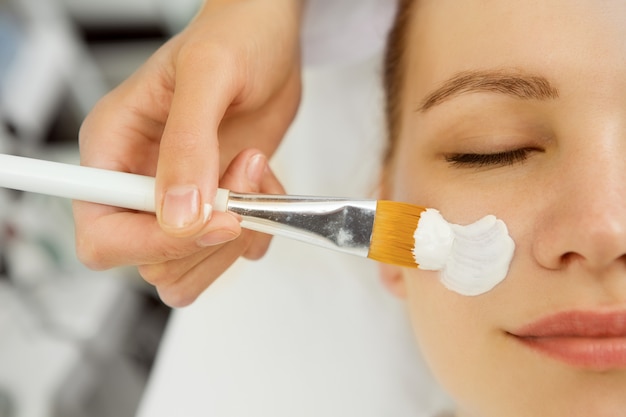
394,74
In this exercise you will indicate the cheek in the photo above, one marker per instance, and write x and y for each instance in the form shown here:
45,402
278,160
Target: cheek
455,334
440,319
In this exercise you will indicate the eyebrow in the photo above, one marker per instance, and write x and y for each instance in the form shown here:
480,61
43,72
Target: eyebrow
515,84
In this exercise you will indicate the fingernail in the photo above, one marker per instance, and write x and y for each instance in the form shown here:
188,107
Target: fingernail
216,237
255,170
181,206
207,212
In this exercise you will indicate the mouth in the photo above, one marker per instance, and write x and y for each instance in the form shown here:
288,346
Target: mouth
583,339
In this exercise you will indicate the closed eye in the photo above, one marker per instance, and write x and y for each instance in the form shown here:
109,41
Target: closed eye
499,159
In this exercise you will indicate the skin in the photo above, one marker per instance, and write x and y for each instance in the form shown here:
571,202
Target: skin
563,199
209,94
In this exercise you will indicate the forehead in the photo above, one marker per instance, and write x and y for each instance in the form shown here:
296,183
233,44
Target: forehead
539,36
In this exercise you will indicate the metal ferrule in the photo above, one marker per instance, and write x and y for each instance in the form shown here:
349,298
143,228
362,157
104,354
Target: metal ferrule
334,223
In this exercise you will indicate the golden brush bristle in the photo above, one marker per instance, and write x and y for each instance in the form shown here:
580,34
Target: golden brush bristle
393,233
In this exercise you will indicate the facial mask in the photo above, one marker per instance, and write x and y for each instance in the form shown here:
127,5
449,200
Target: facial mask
471,259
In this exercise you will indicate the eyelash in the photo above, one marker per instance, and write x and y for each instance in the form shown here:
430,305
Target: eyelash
500,159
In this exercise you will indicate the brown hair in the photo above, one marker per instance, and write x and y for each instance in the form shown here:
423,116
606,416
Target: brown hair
394,71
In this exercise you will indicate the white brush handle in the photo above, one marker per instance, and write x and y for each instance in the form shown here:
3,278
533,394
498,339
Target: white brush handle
119,189
334,223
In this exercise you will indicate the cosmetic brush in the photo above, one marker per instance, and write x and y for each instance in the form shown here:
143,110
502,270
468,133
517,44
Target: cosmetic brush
377,229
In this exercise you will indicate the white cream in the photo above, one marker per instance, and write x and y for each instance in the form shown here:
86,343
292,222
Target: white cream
472,259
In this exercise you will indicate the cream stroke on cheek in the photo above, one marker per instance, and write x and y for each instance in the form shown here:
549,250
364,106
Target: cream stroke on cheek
471,259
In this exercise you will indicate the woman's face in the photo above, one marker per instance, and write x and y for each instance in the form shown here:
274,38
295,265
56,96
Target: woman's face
534,132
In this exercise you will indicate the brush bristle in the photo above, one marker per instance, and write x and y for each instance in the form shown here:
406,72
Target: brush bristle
393,238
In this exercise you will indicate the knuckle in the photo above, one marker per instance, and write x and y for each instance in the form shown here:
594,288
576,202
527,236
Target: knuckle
202,51
221,59
173,253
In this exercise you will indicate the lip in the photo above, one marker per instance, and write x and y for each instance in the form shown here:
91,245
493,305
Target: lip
584,339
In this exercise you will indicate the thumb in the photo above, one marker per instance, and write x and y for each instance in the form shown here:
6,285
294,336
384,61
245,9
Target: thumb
188,165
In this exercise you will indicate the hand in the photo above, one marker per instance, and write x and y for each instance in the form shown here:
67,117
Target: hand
189,267
229,81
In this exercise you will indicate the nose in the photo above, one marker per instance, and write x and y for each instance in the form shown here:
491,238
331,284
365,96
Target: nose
584,219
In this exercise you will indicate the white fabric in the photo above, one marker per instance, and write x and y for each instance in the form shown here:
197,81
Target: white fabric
339,31
305,331
302,333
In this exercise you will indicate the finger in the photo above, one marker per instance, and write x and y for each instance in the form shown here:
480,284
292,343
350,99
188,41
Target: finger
188,167
260,179
247,174
188,287
112,237
168,272
260,244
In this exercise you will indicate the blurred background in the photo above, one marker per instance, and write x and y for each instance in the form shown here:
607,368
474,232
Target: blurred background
79,343
72,342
